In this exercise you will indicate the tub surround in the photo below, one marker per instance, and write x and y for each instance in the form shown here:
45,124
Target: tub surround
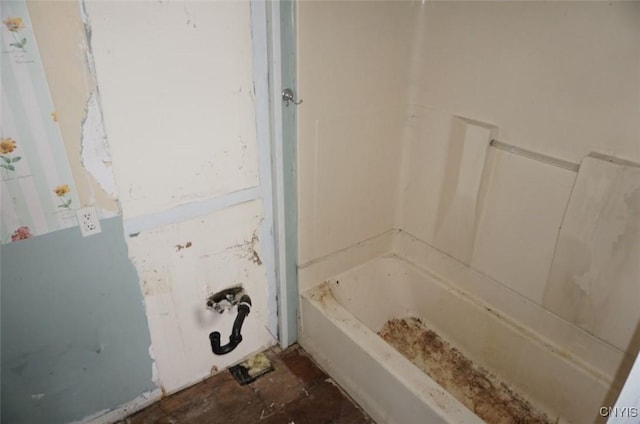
401,100
542,313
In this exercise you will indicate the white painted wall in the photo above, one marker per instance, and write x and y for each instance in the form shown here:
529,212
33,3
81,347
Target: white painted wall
559,78
177,88
352,74
175,285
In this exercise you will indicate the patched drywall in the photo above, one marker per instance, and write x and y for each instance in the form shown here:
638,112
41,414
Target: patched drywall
176,87
189,261
177,92
74,334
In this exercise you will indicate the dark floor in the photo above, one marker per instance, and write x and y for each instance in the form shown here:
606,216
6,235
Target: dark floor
297,392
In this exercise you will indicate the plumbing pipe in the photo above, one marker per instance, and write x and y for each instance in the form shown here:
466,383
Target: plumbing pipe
244,307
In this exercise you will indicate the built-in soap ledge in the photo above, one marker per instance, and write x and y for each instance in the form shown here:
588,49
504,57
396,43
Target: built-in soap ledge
561,163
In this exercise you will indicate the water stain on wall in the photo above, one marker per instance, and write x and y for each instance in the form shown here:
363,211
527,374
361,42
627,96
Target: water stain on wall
593,278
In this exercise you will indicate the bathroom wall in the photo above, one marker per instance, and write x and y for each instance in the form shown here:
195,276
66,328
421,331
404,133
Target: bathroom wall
528,69
54,154
558,78
95,328
553,78
177,88
402,101
75,340
353,59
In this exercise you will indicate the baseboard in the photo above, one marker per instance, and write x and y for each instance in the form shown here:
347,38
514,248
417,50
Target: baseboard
124,410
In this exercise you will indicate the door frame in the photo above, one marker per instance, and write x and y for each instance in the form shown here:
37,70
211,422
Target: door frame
273,37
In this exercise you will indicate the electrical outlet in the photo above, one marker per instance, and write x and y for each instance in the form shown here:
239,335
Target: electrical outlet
88,220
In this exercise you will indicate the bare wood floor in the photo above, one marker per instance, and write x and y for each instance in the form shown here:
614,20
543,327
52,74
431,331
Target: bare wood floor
297,392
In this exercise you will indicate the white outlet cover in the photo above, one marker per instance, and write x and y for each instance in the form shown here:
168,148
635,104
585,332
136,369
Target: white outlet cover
88,221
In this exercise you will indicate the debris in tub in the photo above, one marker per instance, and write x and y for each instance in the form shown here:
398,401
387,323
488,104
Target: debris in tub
323,290
179,247
480,391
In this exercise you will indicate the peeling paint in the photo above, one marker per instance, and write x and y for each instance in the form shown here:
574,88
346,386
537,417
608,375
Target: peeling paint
154,368
95,155
177,284
87,29
214,210
94,152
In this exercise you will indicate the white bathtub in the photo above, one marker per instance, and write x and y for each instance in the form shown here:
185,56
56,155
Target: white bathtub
339,319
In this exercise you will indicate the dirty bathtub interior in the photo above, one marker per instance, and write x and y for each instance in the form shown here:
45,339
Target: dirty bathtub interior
480,391
411,347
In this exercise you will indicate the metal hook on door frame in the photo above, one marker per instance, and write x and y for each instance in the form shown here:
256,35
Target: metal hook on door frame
288,96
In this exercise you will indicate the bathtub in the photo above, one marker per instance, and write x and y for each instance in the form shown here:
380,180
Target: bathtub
340,318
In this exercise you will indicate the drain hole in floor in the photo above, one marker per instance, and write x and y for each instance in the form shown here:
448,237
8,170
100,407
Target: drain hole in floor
250,370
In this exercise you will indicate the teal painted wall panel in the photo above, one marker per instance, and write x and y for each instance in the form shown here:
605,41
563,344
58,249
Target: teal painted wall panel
74,334
289,158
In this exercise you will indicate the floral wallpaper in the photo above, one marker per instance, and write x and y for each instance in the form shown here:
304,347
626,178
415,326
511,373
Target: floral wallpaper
37,193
